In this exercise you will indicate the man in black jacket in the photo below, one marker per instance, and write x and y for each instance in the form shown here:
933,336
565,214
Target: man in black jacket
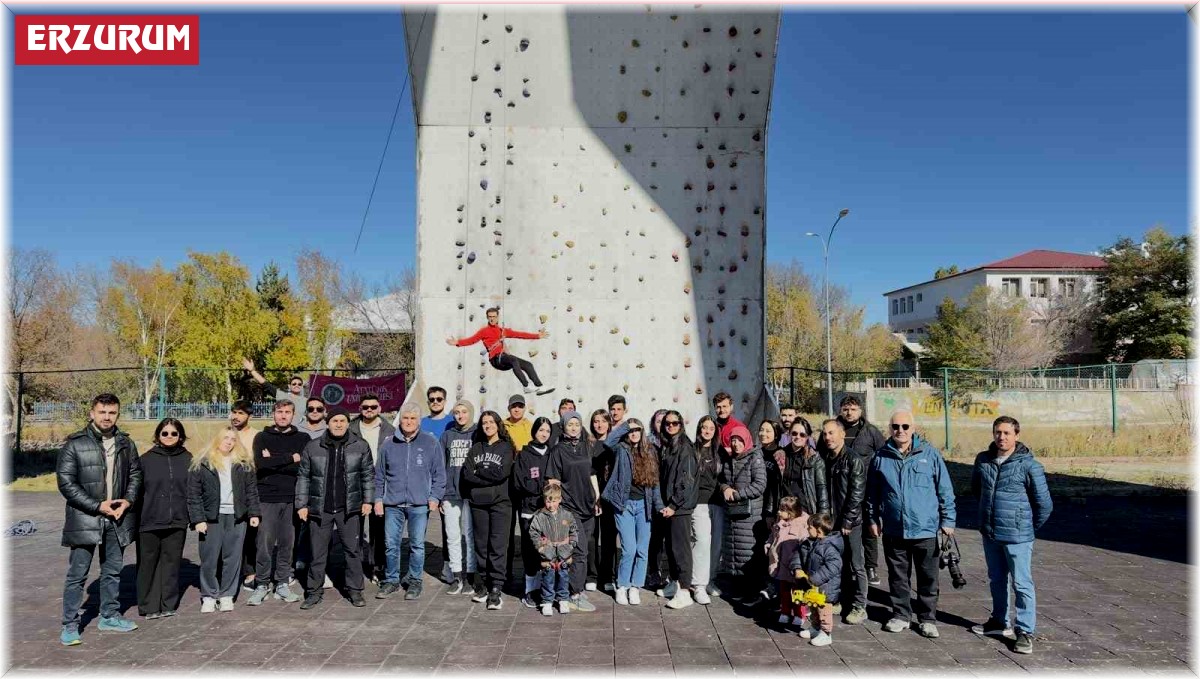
862,439
100,475
277,460
677,476
847,478
335,486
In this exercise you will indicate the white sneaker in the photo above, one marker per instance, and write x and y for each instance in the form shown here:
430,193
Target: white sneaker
701,596
225,604
564,607
591,587
530,390
822,639
208,605
806,633
547,609
785,619
328,583
635,596
682,599
623,596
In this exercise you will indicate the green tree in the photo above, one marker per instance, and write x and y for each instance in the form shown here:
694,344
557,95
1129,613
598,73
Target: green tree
945,272
992,331
287,349
1146,298
222,320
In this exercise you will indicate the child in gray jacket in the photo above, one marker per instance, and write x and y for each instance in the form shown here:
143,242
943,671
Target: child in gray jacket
555,532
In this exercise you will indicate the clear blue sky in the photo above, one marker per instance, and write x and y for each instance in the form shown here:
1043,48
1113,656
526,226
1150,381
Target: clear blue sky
953,138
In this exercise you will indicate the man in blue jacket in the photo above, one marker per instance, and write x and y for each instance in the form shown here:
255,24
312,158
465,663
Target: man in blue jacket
1014,501
909,499
411,479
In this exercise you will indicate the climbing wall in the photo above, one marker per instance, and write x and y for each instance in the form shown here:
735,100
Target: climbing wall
599,175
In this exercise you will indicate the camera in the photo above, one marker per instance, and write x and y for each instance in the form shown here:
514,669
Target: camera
949,559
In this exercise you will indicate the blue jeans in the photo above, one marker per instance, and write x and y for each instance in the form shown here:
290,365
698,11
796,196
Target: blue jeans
393,531
556,584
1012,563
634,529
80,562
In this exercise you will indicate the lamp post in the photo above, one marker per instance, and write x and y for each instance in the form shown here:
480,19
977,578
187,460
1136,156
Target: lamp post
828,318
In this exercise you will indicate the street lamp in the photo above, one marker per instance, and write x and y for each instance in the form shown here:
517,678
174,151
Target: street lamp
828,318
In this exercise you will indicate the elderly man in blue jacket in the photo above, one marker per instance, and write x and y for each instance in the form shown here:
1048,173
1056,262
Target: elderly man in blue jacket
1014,502
909,499
410,481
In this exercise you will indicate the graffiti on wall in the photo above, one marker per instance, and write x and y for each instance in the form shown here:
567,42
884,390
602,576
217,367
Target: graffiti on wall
932,406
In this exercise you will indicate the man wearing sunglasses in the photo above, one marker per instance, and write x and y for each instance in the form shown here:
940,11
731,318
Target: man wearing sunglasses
910,499
314,418
438,419
294,392
373,429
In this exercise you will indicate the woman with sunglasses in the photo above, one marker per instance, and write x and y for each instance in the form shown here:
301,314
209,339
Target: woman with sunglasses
677,479
633,495
803,474
163,520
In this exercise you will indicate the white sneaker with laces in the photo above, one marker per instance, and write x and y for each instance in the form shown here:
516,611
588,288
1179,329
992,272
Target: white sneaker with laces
701,597
682,599
635,596
225,604
208,605
328,583
822,639
547,609
622,596
591,587
530,390
564,607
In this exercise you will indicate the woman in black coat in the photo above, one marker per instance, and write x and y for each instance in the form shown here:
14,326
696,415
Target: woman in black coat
164,520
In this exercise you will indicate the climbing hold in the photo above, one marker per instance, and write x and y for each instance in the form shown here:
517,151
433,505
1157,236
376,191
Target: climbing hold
687,362
470,133
511,104
717,116
699,390
579,342
626,341
757,31
733,268
543,318
687,186
524,44
733,31
709,163
721,209
474,78
508,28
721,233
487,116
460,306
711,186
592,318
674,17
733,163
622,116
729,91
757,210
497,68
555,199
646,93
705,68
581,188
625,387
708,319
525,93
555,234
570,243
675,256
685,44
621,70
484,41
707,29
460,242
687,289
554,355
733,374
741,116
759,55
471,258
687,339
757,136
733,187
634,43
483,184
628,148
732,65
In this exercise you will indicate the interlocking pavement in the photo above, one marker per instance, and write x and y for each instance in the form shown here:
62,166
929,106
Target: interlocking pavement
1112,584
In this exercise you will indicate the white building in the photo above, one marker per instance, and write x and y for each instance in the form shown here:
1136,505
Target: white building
1038,275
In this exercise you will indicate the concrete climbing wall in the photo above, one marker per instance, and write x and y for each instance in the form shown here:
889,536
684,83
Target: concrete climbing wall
599,175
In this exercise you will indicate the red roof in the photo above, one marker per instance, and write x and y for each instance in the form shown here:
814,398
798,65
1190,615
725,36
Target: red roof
1048,259
1034,259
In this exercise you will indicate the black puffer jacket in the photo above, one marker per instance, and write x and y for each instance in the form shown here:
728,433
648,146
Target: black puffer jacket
847,478
775,489
748,477
803,476
165,497
677,475
80,471
360,473
204,493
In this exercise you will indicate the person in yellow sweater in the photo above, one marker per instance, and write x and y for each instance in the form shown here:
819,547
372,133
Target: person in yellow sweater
519,428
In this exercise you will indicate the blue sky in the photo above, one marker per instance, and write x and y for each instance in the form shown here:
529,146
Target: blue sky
953,138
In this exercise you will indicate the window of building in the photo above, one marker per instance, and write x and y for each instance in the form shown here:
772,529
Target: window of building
918,297
1068,287
1039,287
895,307
1010,287
910,303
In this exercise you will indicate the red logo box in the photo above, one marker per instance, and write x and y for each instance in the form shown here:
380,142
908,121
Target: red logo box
107,40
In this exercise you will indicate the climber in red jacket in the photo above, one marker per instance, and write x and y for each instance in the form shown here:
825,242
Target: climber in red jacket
493,335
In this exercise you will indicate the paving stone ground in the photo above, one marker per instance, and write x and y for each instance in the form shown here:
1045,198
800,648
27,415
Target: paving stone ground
1112,583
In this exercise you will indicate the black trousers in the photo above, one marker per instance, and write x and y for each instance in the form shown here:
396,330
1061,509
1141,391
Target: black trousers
530,559
579,558
320,534
602,552
374,553
491,527
249,546
658,543
519,366
276,538
903,557
159,554
679,549
870,545
854,574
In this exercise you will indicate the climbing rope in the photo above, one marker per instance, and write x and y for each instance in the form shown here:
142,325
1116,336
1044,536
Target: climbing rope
21,529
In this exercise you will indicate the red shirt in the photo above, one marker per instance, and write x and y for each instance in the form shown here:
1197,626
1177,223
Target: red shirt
493,338
727,430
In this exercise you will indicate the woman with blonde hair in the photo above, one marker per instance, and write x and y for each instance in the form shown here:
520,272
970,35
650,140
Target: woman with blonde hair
222,499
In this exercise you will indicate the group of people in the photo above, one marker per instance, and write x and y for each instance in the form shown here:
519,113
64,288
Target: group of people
791,518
